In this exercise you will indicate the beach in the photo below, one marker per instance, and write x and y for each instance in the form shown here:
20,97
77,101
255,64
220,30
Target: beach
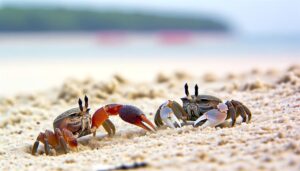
269,88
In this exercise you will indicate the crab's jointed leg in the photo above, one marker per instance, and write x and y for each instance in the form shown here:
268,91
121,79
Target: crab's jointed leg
109,127
48,138
242,110
70,138
231,113
61,140
157,119
57,139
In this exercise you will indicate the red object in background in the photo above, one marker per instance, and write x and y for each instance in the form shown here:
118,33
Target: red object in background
175,37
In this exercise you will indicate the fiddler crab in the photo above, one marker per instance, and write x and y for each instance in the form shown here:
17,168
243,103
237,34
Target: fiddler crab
77,122
200,110
197,110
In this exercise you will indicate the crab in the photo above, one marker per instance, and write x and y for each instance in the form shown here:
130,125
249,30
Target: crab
77,122
200,110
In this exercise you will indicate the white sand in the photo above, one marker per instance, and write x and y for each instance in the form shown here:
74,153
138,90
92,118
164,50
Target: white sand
270,142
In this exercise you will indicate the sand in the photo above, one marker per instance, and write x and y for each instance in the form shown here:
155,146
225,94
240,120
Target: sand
271,141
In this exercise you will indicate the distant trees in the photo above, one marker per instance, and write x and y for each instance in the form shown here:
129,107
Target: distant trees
56,19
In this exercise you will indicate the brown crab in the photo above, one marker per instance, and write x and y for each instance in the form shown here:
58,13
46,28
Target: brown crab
77,122
205,110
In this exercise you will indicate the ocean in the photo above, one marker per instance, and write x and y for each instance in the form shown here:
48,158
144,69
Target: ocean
39,61
23,46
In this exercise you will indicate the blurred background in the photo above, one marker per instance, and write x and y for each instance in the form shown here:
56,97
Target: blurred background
44,42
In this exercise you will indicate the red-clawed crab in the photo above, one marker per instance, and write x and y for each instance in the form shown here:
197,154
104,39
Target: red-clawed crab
77,122
202,110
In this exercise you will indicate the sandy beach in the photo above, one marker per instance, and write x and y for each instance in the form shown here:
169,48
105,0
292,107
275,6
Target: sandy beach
271,141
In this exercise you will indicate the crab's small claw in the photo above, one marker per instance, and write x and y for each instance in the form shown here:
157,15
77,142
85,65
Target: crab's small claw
212,117
134,115
168,117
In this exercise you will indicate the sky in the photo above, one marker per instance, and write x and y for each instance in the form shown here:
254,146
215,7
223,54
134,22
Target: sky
246,16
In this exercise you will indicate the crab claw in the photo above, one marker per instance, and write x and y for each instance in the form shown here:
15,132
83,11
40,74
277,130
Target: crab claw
134,115
170,113
212,117
168,117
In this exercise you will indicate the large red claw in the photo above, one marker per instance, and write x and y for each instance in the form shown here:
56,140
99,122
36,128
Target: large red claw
99,117
134,115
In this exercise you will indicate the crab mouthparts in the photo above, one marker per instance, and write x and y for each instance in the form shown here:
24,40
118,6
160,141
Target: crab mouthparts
193,113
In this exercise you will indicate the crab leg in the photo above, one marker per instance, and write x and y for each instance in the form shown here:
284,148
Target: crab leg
48,138
157,119
240,109
47,147
70,138
109,127
40,138
61,140
248,112
231,113
35,147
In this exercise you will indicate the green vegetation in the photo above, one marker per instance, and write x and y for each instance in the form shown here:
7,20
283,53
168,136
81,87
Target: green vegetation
40,19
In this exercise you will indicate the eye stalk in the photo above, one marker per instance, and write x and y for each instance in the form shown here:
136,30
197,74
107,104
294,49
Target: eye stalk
84,109
86,101
196,90
186,89
80,104
187,93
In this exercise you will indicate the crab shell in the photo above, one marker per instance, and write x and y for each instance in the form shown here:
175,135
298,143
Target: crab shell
73,120
195,106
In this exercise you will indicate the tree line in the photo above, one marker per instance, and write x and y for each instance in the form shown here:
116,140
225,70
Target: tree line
56,19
